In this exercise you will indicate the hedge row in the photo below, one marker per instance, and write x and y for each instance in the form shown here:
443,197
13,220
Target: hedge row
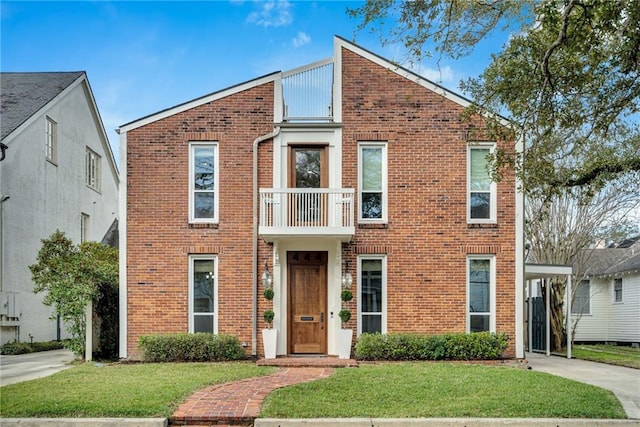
475,346
13,348
185,347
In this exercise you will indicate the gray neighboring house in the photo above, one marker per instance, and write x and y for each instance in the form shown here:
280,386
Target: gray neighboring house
607,299
57,171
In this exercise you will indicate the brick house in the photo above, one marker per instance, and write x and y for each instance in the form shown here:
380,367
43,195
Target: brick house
351,164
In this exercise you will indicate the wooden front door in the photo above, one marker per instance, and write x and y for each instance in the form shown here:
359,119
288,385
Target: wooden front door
307,279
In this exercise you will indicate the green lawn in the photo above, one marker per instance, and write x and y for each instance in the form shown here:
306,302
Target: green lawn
118,390
441,390
611,354
373,390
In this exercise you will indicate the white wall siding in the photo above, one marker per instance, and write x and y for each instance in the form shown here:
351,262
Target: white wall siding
611,321
45,197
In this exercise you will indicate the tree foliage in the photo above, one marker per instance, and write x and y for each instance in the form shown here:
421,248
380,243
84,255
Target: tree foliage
568,78
71,276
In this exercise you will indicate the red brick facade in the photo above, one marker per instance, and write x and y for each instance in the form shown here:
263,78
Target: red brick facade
426,240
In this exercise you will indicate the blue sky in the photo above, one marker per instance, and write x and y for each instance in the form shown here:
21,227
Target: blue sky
142,57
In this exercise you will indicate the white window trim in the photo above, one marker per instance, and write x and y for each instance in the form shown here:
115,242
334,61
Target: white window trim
493,197
492,290
51,132
384,146
383,321
93,159
216,185
84,227
613,289
192,258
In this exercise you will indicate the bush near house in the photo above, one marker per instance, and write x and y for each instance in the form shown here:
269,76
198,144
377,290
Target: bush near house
13,348
475,346
185,347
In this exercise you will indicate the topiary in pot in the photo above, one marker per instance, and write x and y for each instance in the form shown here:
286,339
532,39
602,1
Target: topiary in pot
268,316
345,315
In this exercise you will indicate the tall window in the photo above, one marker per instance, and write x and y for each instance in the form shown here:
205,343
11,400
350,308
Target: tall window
582,298
92,169
372,181
617,290
482,191
84,227
203,182
372,294
203,294
51,142
481,294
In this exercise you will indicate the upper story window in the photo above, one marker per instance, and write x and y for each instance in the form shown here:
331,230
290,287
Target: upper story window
203,182
617,290
51,142
482,190
481,294
372,182
92,169
582,298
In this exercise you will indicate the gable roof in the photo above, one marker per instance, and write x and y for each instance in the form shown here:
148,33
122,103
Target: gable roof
24,94
338,43
622,258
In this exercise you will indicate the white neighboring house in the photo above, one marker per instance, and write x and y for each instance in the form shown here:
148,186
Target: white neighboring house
57,172
607,299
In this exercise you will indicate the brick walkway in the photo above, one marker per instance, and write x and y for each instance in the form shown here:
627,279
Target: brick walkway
238,403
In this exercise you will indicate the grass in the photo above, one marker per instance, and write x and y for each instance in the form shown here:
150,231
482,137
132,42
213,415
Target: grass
117,390
611,354
399,390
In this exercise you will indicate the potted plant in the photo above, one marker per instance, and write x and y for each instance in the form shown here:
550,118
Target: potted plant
270,335
345,335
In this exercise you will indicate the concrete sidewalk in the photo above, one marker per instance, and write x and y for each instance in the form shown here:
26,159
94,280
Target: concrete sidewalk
623,382
24,367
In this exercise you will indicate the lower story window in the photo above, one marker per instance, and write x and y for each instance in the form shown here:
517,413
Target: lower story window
203,294
481,294
372,294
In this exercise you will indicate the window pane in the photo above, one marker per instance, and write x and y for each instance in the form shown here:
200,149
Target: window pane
204,205
479,170
203,286
479,286
204,168
372,169
581,299
480,204
371,286
371,205
479,323
203,323
372,323
617,290
308,170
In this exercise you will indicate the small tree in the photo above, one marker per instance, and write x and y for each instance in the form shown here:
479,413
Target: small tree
71,276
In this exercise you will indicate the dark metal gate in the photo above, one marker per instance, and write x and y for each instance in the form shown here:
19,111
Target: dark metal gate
538,325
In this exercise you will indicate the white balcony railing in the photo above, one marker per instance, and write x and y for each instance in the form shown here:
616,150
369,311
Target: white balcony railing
306,212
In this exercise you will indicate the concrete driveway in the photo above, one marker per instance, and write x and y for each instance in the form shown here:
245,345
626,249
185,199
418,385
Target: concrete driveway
24,367
623,382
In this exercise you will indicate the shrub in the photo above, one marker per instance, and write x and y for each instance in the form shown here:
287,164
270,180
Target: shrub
184,347
13,348
459,346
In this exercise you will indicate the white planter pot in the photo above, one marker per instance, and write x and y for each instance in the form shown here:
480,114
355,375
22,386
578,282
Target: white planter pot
269,341
344,343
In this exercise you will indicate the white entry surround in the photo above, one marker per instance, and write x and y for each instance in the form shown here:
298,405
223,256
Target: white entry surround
334,273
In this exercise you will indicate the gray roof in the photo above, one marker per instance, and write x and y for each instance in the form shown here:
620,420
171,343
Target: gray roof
24,94
616,259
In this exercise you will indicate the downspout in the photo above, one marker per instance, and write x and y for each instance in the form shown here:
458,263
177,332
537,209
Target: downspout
254,271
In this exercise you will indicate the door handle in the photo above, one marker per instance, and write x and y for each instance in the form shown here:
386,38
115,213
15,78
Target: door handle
321,320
